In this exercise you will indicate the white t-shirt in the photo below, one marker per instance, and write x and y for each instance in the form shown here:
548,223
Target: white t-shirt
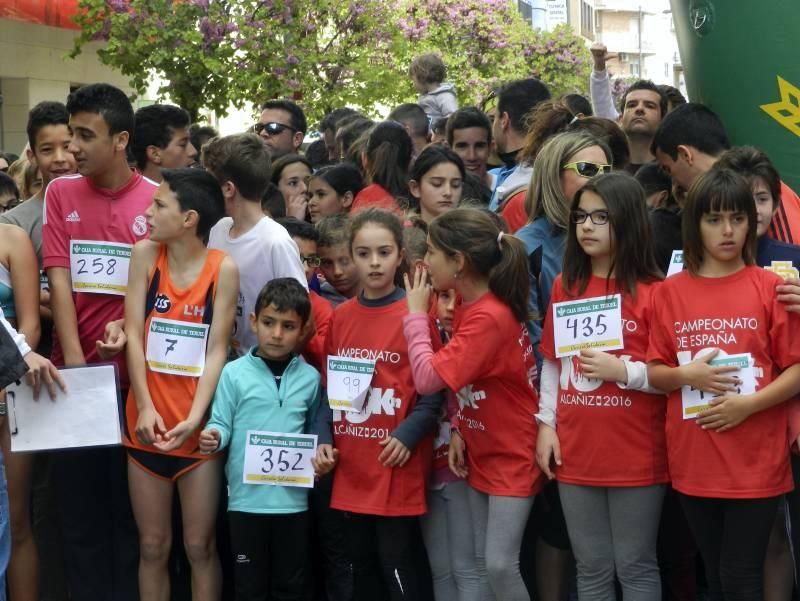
262,254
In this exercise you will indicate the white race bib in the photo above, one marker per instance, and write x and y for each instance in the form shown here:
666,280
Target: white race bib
694,401
279,459
675,263
99,267
589,323
348,382
785,269
176,347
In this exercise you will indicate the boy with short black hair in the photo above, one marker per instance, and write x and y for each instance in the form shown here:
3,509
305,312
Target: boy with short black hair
469,134
261,248
306,237
161,140
336,263
103,206
269,389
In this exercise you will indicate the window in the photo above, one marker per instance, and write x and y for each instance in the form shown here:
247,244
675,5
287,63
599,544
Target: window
635,69
587,20
526,10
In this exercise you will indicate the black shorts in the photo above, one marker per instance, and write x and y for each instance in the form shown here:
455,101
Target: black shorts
161,465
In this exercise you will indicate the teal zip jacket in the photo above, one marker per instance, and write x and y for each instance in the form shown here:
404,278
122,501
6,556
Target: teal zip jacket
248,398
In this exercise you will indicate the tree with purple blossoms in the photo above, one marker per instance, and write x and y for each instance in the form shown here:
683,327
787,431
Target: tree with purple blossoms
214,54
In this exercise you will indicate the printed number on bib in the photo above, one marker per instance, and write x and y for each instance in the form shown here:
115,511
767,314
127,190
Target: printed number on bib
590,323
176,347
694,401
348,382
279,459
99,267
675,263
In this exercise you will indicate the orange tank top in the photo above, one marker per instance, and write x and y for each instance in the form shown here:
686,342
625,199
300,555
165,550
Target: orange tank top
176,328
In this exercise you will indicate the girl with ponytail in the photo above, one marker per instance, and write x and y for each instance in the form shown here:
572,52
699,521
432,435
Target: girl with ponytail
494,431
386,161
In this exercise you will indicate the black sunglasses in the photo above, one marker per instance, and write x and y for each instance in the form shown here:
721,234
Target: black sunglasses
272,128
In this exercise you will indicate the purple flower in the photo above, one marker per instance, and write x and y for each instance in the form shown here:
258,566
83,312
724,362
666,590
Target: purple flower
292,59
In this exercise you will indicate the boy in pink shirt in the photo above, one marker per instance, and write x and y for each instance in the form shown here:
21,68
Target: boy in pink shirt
91,221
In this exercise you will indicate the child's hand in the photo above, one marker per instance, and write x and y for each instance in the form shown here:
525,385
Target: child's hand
603,366
394,453
209,441
701,376
456,455
150,427
789,294
297,206
114,340
726,412
548,450
175,438
418,292
326,459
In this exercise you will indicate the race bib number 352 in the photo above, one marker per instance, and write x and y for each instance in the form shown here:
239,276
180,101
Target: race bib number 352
589,323
279,459
99,267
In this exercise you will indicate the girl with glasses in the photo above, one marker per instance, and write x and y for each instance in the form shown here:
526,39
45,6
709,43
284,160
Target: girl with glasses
550,194
601,432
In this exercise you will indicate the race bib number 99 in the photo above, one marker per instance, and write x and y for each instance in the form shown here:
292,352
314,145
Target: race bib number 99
348,382
176,347
590,323
279,459
99,267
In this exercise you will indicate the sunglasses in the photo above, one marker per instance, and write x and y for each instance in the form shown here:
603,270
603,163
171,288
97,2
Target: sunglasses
311,260
599,217
587,169
272,128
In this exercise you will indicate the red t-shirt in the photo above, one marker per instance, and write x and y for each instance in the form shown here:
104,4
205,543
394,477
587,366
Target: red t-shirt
513,211
738,313
314,352
375,196
489,360
361,483
786,221
609,436
76,209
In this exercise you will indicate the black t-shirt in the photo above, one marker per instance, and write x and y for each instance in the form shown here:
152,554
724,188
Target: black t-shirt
667,235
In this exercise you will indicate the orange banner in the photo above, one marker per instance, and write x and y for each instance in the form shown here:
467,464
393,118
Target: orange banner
56,13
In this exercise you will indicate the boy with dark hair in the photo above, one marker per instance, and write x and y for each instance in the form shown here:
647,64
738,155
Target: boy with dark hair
267,390
469,134
102,207
514,101
161,140
199,136
260,247
688,142
328,126
282,127
413,118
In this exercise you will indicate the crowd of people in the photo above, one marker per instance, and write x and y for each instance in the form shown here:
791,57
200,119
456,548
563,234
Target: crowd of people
542,346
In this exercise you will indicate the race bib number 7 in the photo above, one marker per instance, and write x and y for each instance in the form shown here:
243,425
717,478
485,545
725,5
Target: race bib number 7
279,459
176,347
99,267
589,323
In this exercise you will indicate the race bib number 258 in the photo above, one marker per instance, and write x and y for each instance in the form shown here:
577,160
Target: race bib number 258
99,267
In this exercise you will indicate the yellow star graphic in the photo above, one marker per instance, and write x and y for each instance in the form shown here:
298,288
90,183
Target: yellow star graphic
787,111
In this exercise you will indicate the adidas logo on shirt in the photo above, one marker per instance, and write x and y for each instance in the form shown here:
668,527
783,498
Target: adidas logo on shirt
73,217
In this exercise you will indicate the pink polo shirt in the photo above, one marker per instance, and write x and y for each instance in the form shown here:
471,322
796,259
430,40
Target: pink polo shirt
76,209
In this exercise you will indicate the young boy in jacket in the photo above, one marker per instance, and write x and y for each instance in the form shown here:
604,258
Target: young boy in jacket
269,389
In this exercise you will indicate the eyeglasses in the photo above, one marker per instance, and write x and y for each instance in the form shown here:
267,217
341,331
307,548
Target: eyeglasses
587,169
272,128
599,217
311,260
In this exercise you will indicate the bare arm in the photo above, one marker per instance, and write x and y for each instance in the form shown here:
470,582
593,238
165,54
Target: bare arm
24,270
65,317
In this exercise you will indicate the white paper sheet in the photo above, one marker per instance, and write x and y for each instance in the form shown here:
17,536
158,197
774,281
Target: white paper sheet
87,415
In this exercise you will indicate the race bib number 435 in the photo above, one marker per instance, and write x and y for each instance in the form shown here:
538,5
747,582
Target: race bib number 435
99,267
279,459
589,323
